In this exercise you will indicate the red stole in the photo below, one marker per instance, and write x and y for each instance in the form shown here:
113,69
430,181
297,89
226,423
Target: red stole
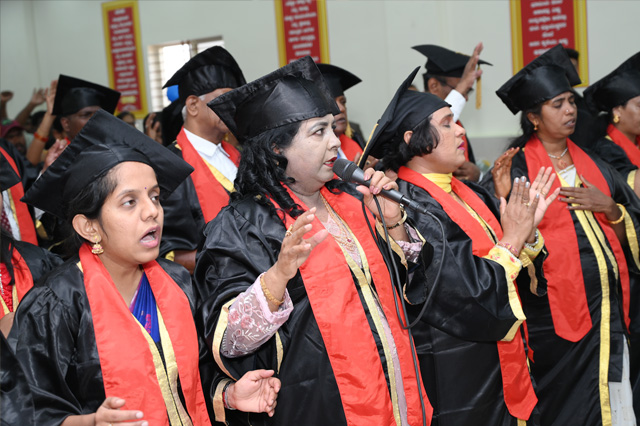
128,370
565,282
335,302
465,142
211,194
630,148
519,395
22,279
350,147
25,222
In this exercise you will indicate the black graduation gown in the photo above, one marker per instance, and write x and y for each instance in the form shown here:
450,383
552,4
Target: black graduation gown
183,218
567,373
54,339
467,312
28,172
39,260
242,242
15,395
16,400
588,128
615,156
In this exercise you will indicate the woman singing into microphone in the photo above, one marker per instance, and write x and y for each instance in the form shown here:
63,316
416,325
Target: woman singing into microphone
290,274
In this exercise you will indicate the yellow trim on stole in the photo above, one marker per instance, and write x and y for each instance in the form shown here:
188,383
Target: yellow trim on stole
632,238
226,183
167,377
218,334
279,351
605,306
42,233
218,403
364,282
631,179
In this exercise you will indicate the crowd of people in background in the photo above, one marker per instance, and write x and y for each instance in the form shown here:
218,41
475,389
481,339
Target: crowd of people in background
248,257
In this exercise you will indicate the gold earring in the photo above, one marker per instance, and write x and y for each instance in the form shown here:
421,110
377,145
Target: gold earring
96,247
535,126
616,118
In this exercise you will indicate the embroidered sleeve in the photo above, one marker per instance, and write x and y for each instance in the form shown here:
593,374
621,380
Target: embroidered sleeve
251,322
411,248
531,251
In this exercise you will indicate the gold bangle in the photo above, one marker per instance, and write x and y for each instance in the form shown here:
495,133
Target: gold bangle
621,218
402,219
268,294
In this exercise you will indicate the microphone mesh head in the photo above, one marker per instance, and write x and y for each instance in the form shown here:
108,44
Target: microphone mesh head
344,169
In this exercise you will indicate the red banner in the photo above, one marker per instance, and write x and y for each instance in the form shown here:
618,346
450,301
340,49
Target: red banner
302,30
538,25
124,55
545,24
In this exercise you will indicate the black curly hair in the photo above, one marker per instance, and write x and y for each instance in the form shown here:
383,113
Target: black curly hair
262,170
424,140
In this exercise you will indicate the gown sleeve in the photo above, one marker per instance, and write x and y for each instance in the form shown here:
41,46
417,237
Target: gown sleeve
474,297
46,338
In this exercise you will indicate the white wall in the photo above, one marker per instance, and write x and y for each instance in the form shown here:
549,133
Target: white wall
373,39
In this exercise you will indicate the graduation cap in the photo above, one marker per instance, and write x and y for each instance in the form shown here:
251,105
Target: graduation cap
207,71
290,94
338,79
172,122
73,94
8,176
406,110
549,75
444,62
617,87
103,143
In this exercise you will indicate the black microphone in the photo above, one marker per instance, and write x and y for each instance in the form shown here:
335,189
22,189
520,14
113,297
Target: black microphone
349,172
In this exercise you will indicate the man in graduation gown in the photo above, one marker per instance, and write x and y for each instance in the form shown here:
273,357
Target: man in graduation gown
450,76
339,80
201,144
77,100
75,103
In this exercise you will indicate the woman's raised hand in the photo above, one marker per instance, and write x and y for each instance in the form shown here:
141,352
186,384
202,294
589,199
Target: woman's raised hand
542,185
501,173
255,392
517,216
109,413
295,249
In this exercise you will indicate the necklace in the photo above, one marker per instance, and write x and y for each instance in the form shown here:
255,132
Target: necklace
557,157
